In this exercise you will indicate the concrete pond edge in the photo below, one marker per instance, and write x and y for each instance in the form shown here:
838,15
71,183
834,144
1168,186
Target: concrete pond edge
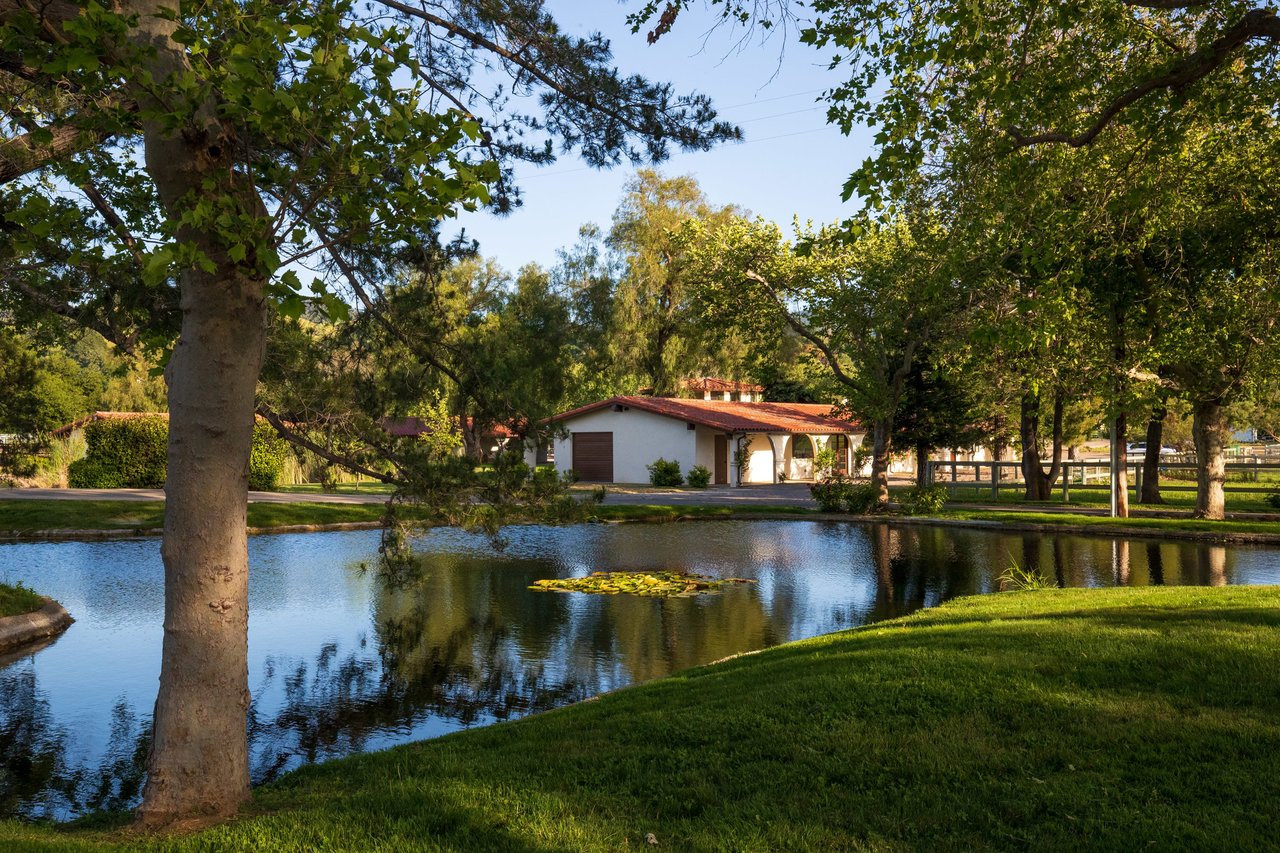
50,620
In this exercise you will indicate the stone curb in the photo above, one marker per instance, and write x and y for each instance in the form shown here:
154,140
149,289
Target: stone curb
19,630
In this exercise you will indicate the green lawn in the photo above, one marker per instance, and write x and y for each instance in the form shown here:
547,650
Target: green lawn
1128,719
25,516
369,487
15,600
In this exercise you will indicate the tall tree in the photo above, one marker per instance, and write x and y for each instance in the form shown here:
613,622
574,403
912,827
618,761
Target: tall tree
273,136
869,305
652,333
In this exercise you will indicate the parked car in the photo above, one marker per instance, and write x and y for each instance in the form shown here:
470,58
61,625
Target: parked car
1138,450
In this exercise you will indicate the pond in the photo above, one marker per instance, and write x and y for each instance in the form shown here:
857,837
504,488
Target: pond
341,664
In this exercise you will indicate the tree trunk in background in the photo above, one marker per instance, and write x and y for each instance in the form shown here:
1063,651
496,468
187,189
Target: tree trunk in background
881,430
1209,427
1029,433
1039,485
922,465
198,769
999,443
1120,464
1151,462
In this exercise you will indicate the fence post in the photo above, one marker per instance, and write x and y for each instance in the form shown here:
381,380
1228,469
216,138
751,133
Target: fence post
995,479
1137,483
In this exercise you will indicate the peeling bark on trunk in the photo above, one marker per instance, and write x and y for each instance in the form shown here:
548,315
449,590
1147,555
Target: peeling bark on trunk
1151,461
881,430
1209,427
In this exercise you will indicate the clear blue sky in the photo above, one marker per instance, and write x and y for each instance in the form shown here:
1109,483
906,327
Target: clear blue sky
791,163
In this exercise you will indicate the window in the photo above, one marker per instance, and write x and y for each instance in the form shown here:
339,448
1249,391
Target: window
801,447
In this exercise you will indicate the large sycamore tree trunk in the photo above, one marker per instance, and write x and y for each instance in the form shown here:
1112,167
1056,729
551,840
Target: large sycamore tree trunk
199,769
1209,428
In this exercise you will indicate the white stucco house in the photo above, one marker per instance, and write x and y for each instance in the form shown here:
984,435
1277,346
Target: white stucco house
740,443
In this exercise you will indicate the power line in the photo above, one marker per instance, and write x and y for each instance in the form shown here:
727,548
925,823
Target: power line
744,142
778,98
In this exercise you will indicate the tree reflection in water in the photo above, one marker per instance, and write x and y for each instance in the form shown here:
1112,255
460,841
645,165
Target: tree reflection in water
37,775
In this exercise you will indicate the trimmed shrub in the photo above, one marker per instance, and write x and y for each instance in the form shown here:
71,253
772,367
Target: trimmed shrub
923,500
699,477
132,453
266,457
129,453
665,472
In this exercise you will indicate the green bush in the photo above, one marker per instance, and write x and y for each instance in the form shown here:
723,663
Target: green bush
132,453
665,472
1273,498
266,458
923,500
832,493
94,474
699,477
129,453
863,499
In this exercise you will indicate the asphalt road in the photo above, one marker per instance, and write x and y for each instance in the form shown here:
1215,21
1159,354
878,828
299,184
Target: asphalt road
785,494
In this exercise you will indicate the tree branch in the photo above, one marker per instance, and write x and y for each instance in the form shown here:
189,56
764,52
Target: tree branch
302,441
804,331
21,155
1256,23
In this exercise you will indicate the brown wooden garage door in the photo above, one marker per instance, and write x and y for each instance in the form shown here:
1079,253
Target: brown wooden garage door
593,456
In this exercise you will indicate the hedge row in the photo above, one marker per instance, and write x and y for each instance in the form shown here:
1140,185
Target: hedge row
132,453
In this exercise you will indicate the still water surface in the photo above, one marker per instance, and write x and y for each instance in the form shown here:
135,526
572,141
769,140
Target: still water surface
338,663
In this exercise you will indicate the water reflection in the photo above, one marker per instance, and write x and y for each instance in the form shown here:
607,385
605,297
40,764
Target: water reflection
340,664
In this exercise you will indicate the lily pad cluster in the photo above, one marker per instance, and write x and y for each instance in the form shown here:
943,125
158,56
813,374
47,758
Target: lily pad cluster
650,584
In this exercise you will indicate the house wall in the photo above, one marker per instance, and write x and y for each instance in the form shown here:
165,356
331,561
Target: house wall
705,451
759,459
638,439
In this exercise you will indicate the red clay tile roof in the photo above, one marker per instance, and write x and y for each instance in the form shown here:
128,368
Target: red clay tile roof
813,418
707,383
412,427
67,429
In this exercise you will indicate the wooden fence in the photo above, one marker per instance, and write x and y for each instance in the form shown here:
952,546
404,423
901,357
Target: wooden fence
1243,476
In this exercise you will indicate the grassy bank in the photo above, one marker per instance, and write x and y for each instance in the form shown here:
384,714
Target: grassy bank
1103,524
1239,498
16,600
1121,719
26,516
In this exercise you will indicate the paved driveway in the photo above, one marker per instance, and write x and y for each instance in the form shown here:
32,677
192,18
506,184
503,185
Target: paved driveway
783,494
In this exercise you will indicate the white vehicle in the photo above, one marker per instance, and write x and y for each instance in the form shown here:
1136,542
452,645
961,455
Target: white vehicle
1138,450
